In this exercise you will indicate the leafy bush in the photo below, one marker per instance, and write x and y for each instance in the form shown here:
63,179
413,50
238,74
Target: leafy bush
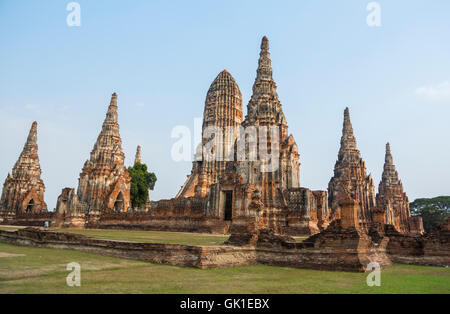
141,182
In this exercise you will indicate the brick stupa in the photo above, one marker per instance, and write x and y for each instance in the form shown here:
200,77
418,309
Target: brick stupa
23,190
350,176
262,188
221,117
104,183
394,200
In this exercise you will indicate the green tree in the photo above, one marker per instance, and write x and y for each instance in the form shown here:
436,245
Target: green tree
141,182
434,211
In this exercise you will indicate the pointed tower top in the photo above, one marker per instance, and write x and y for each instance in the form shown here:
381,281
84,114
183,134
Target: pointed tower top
25,180
33,130
108,147
347,113
348,140
137,159
389,172
264,102
30,146
28,158
111,115
264,43
264,71
388,157
113,100
347,122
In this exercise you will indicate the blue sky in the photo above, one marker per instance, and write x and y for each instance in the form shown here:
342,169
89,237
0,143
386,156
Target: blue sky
161,56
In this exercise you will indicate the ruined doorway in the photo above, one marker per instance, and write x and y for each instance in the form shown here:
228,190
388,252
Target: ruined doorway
30,207
118,205
228,205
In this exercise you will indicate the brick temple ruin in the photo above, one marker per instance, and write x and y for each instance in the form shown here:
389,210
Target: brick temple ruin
237,189
23,190
394,200
104,183
223,192
245,181
350,176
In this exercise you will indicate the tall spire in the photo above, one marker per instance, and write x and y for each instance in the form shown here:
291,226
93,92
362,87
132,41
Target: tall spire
105,170
30,146
389,172
348,140
111,115
137,159
264,104
108,148
264,83
350,174
391,196
265,114
25,180
388,158
29,154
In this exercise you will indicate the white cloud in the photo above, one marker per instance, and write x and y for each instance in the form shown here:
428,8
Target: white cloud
435,92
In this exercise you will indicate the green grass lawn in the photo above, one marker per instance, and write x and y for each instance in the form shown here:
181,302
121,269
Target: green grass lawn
37,270
152,236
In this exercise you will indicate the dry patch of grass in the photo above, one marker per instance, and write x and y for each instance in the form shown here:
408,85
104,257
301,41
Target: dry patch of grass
4,255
